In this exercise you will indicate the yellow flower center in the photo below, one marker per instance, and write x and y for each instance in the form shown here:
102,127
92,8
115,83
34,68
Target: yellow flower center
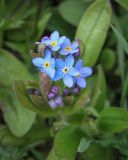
66,70
53,43
46,64
68,48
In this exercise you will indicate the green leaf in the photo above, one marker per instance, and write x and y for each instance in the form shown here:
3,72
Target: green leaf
108,59
123,3
36,135
21,48
84,145
24,98
18,118
121,39
99,90
11,69
83,99
93,28
97,152
113,120
125,92
66,143
68,10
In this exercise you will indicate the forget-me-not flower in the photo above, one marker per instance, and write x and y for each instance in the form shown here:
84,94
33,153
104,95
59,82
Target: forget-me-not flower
54,41
69,48
46,64
83,73
65,70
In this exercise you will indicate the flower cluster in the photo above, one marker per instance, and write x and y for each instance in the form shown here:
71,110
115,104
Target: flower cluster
61,60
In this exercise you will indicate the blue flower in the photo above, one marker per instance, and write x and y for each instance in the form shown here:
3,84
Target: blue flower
45,38
83,73
65,70
68,47
54,41
46,64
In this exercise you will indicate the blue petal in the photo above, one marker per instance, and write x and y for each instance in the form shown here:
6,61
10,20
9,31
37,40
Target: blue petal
64,52
73,72
68,80
47,54
46,41
59,63
81,82
69,61
58,75
75,45
50,72
37,43
56,48
86,71
61,40
55,35
74,51
42,69
38,62
66,43
79,64
52,62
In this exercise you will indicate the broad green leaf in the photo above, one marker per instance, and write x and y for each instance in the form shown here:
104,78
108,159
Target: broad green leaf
22,48
37,154
36,135
84,145
97,152
108,59
121,39
52,156
113,120
12,69
68,10
99,90
124,94
83,99
123,3
18,118
93,28
23,96
68,136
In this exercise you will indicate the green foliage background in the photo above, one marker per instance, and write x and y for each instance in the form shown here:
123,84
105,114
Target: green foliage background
94,125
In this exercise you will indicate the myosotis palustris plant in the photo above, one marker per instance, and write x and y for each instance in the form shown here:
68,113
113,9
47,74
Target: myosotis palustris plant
61,61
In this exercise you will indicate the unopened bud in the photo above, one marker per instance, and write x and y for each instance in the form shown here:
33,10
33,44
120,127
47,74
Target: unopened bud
77,54
65,92
75,90
51,95
52,103
58,101
54,89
